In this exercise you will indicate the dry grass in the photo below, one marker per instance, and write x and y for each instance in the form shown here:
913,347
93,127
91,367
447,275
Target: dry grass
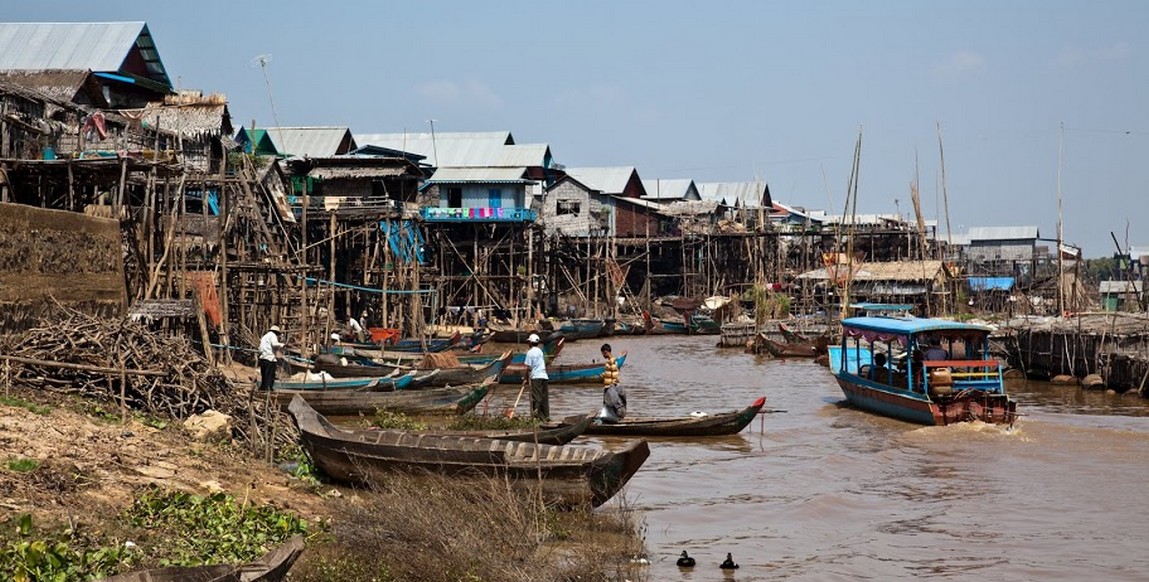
433,528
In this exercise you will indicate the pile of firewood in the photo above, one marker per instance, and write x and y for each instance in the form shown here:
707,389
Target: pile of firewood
122,362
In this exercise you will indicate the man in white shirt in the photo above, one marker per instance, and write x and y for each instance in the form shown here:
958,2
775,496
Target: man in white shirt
537,362
269,345
356,327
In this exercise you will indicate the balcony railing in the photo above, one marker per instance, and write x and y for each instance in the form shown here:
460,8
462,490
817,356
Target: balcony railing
480,214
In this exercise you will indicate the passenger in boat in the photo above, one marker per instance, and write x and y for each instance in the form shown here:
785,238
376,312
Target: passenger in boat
537,362
880,373
613,394
935,352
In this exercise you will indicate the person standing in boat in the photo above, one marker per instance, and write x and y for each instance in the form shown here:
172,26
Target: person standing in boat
613,394
269,350
537,362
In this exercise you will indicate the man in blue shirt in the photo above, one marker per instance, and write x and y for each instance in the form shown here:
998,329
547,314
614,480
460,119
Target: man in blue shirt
537,362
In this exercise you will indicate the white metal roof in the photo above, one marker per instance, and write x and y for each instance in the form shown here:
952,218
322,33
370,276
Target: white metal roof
98,46
312,142
741,194
675,189
458,149
611,180
459,175
980,233
1122,286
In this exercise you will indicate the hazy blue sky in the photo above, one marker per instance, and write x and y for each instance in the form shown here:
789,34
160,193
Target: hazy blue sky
721,91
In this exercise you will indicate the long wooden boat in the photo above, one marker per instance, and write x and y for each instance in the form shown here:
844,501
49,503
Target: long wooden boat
804,349
567,475
558,434
682,426
471,374
363,384
430,402
565,373
272,567
699,325
582,328
519,336
937,392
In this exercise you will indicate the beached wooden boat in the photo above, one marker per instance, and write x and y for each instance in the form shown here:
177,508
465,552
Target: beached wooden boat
565,373
567,475
417,345
272,567
932,392
682,426
432,401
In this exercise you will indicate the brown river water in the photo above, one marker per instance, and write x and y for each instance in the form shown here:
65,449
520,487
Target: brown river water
822,491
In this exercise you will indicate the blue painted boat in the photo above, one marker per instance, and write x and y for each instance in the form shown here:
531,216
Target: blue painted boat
941,390
362,384
565,373
582,328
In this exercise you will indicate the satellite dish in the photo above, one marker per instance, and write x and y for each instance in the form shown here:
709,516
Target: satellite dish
261,60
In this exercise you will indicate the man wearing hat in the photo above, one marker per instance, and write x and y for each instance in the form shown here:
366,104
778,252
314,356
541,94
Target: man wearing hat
268,346
537,362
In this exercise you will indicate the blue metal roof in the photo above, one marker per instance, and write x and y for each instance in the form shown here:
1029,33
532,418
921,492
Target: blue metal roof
869,306
910,325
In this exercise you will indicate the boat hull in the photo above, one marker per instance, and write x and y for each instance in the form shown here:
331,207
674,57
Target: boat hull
688,426
565,373
918,408
432,402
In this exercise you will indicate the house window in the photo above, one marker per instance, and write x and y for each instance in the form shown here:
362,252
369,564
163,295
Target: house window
454,197
494,198
568,207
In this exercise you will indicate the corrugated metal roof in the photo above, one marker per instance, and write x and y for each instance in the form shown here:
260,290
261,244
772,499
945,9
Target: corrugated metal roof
740,194
611,180
492,175
98,46
311,142
1122,286
981,233
675,189
453,149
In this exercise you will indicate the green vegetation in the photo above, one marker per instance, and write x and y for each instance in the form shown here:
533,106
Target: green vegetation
185,529
396,421
28,555
168,528
499,422
23,465
40,409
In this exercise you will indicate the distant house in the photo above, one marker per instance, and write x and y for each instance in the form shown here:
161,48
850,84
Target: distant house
256,141
489,149
574,209
69,60
1122,295
905,282
199,121
363,185
305,141
667,191
1002,243
613,181
740,201
484,194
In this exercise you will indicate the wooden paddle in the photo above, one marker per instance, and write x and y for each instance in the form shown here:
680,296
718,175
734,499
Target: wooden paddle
511,412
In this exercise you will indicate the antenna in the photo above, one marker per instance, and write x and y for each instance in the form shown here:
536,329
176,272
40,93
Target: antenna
434,146
262,61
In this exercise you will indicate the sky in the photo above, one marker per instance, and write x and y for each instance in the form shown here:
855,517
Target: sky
722,91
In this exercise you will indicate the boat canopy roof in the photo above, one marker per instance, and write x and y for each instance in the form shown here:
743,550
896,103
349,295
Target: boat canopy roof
909,326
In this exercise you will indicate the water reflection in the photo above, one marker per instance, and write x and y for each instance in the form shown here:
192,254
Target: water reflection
827,492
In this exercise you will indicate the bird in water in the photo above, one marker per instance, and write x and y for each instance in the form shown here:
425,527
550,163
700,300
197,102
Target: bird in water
729,563
685,561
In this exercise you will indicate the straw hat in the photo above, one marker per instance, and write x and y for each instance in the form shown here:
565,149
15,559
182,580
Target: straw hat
274,328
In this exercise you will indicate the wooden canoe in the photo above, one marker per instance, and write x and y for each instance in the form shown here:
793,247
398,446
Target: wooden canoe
683,426
470,374
808,349
544,435
363,384
433,401
272,567
566,373
567,475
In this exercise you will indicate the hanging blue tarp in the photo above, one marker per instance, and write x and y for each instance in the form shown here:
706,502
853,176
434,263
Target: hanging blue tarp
990,283
405,240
